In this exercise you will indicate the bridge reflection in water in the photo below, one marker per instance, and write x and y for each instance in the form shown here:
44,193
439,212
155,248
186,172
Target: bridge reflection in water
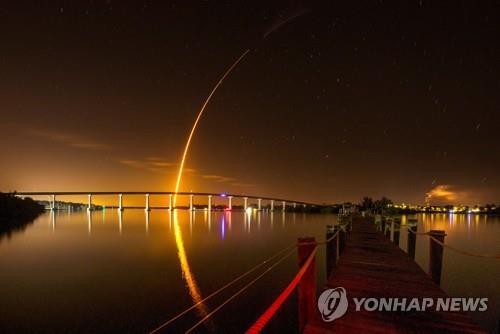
250,215
251,219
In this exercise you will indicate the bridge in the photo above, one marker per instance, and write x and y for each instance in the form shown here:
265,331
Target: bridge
283,203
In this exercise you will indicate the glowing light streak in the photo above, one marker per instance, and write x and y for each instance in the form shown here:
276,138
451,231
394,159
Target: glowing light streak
192,285
200,113
194,291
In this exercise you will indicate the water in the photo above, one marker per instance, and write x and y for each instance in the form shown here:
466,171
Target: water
465,276
101,273
67,272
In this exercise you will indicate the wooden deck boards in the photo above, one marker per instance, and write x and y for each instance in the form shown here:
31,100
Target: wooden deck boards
372,266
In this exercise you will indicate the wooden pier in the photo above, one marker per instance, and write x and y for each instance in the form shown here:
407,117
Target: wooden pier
372,266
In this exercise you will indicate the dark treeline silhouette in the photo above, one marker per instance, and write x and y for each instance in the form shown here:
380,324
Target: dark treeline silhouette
73,206
367,203
325,208
16,213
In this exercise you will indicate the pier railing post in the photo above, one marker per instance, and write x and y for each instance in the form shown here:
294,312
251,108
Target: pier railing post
391,232
378,222
283,206
436,255
331,249
307,286
53,203
209,202
412,240
272,205
259,204
396,233
191,202
342,237
387,231
337,244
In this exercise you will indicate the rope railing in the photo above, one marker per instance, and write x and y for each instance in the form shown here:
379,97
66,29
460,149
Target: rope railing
227,285
262,321
452,248
319,242
460,251
414,232
275,306
266,316
237,293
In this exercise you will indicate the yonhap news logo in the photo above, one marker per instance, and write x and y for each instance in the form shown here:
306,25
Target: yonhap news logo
333,304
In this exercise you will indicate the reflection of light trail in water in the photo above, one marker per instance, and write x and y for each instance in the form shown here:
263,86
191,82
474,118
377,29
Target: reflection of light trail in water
186,148
194,291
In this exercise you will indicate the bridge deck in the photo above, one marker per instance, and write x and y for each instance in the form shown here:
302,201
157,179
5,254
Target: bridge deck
372,266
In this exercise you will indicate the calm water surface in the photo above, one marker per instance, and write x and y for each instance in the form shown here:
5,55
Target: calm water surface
465,276
105,272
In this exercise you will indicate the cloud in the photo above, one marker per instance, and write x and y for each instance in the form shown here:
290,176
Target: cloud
155,165
158,165
132,163
446,194
159,162
229,180
162,164
243,185
218,178
69,140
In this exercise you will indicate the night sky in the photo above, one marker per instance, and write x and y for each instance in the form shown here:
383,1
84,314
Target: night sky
393,98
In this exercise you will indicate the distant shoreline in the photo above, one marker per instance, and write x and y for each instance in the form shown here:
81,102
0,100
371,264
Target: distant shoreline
16,213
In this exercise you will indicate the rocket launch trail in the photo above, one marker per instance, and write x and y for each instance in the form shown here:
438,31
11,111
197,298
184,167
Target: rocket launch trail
200,113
